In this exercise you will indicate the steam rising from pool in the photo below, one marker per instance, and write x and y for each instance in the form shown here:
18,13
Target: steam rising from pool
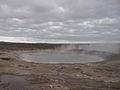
112,48
72,53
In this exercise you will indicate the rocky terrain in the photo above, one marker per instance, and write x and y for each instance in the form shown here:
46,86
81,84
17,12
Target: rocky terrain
20,75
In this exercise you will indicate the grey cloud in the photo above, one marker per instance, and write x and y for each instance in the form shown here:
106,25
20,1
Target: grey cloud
60,20
52,8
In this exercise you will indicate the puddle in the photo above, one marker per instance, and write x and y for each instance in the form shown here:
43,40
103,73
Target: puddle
13,81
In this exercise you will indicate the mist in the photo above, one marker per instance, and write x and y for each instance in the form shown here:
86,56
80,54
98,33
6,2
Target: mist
111,48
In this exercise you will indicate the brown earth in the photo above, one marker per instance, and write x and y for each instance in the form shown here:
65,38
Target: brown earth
21,75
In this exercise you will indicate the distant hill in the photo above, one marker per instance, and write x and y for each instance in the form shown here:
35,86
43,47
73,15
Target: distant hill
26,46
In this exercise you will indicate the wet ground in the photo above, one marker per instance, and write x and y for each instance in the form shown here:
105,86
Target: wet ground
13,81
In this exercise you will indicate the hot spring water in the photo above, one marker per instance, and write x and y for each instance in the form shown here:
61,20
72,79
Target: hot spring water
70,54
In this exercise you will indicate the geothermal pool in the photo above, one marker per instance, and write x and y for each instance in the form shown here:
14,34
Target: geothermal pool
70,54
59,57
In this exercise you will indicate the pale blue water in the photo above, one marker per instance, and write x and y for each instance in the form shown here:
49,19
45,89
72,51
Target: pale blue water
72,54
57,57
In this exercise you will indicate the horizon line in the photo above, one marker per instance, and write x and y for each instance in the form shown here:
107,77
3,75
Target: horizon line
82,42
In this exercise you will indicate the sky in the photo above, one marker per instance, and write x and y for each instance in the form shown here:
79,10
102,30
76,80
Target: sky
60,21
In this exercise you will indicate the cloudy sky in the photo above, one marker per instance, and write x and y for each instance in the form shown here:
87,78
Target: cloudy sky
59,21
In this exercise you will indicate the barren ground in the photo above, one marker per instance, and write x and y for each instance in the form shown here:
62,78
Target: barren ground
21,75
